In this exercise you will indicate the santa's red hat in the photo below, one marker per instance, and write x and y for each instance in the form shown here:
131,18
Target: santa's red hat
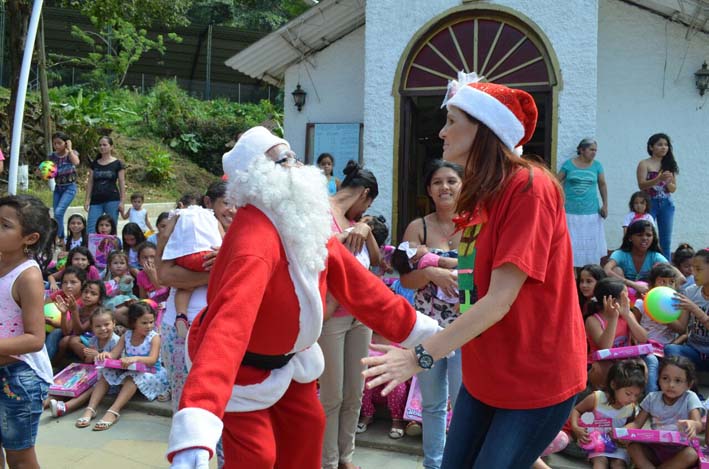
510,113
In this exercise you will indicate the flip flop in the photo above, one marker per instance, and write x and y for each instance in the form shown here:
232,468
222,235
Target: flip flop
83,422
102,424
182,325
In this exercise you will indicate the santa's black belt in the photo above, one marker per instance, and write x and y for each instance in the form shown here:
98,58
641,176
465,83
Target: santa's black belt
266,362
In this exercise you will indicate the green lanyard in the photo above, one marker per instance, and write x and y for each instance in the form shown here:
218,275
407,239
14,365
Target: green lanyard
466,266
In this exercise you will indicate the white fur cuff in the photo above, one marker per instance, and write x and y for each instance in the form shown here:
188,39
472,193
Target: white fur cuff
424,327
194,428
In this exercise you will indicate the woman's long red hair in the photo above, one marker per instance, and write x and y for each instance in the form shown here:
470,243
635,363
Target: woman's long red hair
488,170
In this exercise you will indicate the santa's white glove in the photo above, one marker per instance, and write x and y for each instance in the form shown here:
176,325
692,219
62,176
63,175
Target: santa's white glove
194,458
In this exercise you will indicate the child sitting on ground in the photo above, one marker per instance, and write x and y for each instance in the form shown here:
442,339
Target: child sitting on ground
140,344
79,257
673,407
614,325
197,232
103,340
395,402
682,259
626,381
662,275
76,318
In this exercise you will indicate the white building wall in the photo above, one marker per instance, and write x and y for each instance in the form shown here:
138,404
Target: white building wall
646,85
334,85
390,28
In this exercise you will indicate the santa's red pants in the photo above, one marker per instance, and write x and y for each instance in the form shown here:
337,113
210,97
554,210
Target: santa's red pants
288,435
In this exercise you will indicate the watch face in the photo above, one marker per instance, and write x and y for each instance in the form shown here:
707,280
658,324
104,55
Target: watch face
425,361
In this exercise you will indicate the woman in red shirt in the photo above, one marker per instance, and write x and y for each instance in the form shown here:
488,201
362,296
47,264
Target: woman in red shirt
521,332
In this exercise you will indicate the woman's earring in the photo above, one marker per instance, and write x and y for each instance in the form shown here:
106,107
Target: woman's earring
26,250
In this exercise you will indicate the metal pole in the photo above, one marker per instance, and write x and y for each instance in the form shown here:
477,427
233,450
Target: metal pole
2,42
44,89
208,81
22,96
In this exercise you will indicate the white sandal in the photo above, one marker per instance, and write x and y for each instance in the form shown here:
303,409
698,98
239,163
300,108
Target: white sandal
102,424
83,422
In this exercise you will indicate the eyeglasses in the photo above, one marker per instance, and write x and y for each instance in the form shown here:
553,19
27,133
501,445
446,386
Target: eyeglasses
288,157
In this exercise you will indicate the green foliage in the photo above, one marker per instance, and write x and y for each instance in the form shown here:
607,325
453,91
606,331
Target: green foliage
141,13
257,15
158,165
116,46
201,129
86,117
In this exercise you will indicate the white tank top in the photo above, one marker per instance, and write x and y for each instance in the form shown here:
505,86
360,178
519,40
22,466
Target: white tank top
11,324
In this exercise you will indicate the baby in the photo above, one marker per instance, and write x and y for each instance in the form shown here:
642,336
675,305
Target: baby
410,255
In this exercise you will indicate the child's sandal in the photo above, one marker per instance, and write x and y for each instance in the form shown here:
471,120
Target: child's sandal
364,422
102,424
83,422
182,325
164,397
397,429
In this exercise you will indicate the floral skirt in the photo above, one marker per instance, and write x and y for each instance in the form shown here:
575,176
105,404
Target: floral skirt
151,385
172,351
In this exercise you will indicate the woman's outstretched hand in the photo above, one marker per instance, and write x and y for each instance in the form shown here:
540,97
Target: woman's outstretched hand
396,366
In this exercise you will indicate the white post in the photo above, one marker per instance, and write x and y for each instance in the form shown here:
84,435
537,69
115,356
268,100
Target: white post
21,96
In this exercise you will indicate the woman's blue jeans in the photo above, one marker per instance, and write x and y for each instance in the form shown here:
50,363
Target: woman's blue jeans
96,210
63,197
653,366
437,385
52,342
482,436
662,210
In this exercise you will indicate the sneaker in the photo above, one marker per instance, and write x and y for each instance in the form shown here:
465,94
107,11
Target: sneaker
58,407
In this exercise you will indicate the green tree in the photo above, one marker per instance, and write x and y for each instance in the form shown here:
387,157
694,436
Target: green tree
120,37
257,15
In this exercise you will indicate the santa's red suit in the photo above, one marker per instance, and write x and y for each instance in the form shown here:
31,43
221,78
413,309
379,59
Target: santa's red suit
265,301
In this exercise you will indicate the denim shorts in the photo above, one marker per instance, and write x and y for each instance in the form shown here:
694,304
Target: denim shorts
20,405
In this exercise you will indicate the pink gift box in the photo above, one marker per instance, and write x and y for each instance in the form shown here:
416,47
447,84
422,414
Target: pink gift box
414,408
668,437
590,421
74,380
702,452
618,353
113,363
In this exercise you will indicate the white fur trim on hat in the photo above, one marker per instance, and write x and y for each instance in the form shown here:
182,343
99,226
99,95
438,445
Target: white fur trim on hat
491,112
253,143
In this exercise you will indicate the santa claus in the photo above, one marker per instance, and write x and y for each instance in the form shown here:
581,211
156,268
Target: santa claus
253,350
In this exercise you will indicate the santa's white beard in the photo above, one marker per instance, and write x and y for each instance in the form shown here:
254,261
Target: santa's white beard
296,201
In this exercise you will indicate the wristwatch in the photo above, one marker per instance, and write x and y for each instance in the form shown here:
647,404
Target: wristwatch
425,360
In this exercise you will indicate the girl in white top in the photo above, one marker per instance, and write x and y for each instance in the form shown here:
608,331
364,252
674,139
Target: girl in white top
25,371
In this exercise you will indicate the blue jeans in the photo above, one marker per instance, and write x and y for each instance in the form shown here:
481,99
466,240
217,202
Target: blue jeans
96,210
700,360
52,342
482,436
20,405
662,210
653,366
63,197
437,385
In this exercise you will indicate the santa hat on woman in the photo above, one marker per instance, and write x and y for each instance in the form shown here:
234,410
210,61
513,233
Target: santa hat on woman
510,113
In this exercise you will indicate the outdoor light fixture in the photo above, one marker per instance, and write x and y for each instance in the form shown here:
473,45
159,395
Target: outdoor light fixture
702,77
299,95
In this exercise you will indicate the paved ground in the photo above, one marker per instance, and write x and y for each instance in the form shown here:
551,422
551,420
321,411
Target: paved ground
139,440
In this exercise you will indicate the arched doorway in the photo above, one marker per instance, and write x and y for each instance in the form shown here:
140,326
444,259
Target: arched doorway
494,42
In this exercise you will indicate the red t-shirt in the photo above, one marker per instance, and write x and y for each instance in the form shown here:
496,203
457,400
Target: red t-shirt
536,355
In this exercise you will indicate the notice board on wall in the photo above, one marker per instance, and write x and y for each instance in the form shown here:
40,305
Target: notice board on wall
342,140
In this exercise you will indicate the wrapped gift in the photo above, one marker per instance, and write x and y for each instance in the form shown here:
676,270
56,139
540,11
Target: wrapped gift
590,421
702,452
74,380
414,408
619,353
667,437
113,363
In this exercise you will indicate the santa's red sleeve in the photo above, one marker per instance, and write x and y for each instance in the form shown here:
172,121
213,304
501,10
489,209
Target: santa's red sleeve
367,298
231,315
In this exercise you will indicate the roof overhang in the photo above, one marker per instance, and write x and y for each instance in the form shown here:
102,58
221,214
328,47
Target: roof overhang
269,58
692,13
